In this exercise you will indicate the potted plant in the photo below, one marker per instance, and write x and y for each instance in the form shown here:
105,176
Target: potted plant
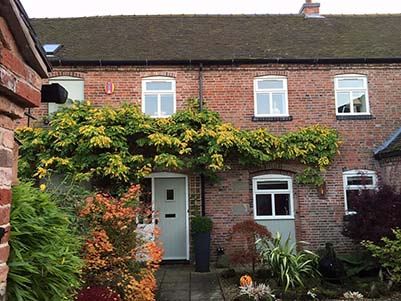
201,226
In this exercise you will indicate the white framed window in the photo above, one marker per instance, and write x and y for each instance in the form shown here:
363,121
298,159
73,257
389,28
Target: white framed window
351,92
270,96
158,97
354,182
272,197
74,87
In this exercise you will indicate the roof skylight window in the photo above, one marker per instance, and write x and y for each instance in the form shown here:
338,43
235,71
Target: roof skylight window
51,49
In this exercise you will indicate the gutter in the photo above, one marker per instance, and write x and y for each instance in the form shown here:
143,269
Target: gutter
72,62
201,87
202,176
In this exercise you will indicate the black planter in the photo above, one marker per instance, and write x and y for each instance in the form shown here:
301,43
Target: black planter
202,251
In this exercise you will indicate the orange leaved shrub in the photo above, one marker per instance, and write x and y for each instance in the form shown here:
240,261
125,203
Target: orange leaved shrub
121,252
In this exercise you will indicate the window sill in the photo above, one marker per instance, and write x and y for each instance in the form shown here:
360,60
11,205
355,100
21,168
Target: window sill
275,118
160,117
274,217
355,117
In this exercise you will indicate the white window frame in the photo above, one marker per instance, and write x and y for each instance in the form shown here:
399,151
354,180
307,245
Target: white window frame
159,93
54,107
357,173
270,92
337,89
256,191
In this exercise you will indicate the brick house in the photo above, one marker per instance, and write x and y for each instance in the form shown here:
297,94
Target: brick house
280,72
23,66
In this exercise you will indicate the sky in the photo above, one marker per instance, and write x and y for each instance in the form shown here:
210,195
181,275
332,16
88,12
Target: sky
79,8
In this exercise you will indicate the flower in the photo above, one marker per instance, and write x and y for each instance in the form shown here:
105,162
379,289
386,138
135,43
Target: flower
42,187
353,295
312,293
254,290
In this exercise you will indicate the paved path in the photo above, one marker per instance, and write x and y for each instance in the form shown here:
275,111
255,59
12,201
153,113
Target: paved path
181,282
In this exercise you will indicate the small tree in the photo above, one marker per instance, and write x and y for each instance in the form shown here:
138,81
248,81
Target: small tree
248,232
377,212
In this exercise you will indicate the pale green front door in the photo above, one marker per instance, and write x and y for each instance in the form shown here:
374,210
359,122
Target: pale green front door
170,200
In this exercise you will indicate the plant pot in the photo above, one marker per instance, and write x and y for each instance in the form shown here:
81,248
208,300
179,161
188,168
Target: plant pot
202,251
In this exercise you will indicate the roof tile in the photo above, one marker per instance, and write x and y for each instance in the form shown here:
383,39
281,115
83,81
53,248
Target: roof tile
222,37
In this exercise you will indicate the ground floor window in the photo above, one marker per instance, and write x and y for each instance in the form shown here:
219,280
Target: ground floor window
354,182
272,197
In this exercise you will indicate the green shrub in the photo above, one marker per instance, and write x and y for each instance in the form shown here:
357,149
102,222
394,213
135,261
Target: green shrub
69,196
44,263
201,224
288,268
389,255
361,263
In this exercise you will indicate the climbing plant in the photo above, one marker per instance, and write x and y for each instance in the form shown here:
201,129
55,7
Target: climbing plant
117,146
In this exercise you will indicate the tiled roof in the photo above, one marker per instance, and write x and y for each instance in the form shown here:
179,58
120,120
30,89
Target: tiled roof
391,147
222,37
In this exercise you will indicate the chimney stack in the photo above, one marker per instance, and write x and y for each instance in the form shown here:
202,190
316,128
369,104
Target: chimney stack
310,9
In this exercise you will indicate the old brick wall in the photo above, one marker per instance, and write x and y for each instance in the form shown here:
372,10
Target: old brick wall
6,177
391,172
19,88
229,90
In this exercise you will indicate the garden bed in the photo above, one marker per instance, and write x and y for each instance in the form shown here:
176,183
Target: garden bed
371,287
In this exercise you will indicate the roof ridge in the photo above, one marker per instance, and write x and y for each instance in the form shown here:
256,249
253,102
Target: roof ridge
167,15
215,15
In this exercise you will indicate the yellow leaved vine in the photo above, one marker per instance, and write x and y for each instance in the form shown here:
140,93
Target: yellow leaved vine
118,146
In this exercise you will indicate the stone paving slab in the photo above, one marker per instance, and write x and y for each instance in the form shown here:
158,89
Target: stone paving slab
170,295
180,282
203,295
176,285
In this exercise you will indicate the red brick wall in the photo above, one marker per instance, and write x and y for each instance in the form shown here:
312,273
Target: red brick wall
19,88
6,178
229,90
16,76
